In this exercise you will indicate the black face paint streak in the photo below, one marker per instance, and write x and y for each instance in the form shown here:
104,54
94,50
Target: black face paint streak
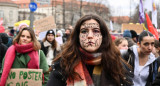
97,42
83,43
97,35
90,25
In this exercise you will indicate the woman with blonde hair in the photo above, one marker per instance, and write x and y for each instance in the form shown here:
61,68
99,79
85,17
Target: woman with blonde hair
121,43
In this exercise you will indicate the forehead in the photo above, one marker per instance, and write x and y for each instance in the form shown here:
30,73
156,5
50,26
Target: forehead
124,41
25,32
90,23
148,39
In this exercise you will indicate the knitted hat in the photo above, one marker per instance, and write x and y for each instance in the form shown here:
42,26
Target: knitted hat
50,32
127,33
22,24
4,37
134,34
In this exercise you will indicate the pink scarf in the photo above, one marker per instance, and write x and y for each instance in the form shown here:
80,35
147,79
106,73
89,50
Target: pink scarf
10,56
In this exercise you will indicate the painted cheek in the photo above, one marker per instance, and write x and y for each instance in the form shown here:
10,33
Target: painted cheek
99,40
83,42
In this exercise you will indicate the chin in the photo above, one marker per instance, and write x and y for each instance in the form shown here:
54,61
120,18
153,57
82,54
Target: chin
148,53
24,43
91,51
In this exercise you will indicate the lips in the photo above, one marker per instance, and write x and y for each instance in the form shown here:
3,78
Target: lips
90,43
149,51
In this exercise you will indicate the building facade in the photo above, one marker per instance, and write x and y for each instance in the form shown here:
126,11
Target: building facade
65,13
9,13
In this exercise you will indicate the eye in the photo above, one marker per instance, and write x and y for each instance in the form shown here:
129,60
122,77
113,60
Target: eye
22,36
152,44
28,37
84,31
96,31
146,44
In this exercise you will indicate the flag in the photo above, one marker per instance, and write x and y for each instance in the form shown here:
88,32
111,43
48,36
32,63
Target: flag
1,29
151,28
154,18
141,12
154,14
148,5
111,25
1,21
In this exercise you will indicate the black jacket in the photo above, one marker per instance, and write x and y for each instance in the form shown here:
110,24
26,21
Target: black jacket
58,79
157,80
129,56
3,49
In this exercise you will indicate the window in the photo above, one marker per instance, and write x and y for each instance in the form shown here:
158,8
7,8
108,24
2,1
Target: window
24,5
11,15
1,14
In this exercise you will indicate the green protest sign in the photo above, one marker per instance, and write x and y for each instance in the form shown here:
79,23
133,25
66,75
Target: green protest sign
24,77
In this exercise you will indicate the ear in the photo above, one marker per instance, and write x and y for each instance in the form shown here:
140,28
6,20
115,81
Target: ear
138,44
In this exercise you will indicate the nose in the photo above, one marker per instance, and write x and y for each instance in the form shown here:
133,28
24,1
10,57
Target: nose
150,47
126,47
90,34
24,38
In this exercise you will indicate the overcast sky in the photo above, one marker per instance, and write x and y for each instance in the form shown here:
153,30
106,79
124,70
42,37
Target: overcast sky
122,7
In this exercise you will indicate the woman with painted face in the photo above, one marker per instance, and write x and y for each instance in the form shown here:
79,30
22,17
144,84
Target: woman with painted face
89,58
24,53
142,60
50,46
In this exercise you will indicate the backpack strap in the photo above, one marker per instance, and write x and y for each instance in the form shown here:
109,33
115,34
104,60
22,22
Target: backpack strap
39,56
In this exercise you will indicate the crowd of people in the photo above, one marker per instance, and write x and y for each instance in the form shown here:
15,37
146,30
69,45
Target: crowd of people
89,56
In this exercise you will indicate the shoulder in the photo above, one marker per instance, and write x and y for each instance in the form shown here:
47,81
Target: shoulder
126,53
3,46
157,80
41,53
56,75
58,47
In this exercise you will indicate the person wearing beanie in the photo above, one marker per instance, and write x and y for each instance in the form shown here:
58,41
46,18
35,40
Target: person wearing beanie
7,40
127,33
134,35
21,26
50,46
128,36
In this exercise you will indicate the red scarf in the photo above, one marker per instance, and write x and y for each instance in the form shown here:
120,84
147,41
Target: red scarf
83,72
10,56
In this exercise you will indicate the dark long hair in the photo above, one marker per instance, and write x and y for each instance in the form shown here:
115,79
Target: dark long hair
53,43
111,60
143,34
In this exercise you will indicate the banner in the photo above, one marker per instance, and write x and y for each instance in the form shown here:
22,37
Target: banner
45,24
24,77
136,27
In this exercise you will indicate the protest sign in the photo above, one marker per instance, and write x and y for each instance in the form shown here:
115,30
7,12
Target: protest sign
136,27
45,24
59,40
24,77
